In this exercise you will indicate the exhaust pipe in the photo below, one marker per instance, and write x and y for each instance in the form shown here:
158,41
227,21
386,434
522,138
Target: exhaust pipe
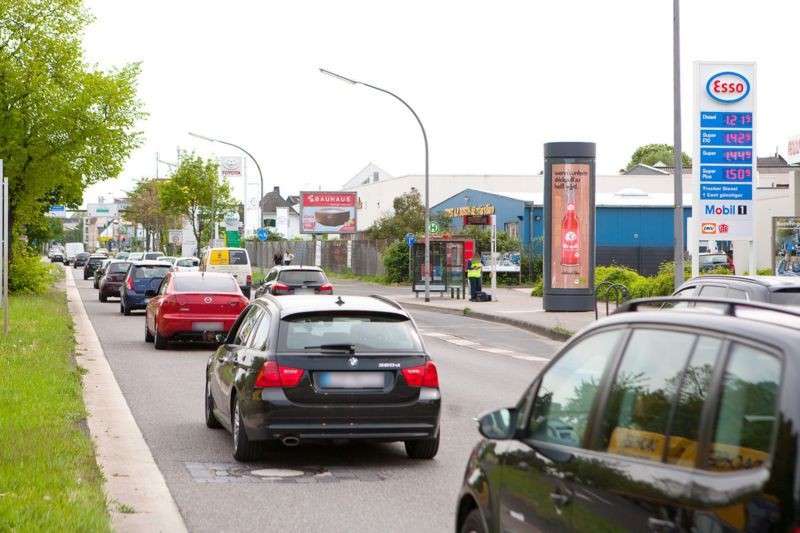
290,441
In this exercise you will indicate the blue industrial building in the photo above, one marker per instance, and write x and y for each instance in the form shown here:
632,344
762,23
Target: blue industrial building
633,228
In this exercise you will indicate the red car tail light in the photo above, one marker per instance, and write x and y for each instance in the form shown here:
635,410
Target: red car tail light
422,376
280,288
130,283
326,289
170,305
272,375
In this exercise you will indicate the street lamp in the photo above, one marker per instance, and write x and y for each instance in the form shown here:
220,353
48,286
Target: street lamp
427,269
260,175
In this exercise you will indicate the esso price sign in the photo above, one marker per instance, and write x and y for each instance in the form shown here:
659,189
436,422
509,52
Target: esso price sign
728,87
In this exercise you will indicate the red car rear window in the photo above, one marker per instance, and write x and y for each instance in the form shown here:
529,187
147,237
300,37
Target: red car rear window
204,284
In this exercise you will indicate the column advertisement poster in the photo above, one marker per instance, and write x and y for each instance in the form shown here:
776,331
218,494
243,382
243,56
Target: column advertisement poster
570,222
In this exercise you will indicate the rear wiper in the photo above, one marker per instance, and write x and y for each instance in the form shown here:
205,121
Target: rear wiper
347,348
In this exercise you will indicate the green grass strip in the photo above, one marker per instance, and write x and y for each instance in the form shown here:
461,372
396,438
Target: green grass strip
49,479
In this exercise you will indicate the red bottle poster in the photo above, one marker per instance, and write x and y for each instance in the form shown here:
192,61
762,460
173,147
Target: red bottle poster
569,253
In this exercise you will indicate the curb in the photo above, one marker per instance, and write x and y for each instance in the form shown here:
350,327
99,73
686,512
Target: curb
528,326
132,478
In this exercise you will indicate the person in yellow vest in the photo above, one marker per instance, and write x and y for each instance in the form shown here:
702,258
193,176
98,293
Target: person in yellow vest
474,275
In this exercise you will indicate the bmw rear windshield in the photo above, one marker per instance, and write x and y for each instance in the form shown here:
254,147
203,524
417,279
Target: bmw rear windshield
357,332
302,277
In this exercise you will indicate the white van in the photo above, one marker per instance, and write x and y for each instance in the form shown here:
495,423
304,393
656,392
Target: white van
234,261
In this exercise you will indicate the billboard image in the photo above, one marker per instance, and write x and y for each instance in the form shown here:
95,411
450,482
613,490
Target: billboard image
328,212
570,223
786,245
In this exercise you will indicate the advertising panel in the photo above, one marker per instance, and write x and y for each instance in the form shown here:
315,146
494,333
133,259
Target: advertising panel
786,245
328,212
724,151
503,261
231,166
569,223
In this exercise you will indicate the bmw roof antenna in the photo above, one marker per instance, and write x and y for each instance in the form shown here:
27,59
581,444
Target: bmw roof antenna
339,301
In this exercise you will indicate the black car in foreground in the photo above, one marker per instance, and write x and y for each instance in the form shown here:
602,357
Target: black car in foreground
310,368
657,418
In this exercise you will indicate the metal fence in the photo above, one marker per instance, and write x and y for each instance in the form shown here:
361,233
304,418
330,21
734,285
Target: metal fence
361,257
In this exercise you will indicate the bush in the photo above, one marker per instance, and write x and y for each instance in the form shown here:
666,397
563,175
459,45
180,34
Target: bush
26,273
619,275
395,260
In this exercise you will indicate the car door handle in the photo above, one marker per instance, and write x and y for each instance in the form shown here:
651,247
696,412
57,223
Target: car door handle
656,524
560,500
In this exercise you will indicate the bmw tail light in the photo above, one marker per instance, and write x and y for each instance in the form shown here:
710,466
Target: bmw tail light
422,376
272,375
326,289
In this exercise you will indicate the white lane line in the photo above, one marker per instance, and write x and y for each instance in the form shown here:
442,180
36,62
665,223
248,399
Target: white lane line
435,334
531,358
495,350
461,342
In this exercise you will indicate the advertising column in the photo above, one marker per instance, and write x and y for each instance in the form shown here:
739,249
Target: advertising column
724,162
569,233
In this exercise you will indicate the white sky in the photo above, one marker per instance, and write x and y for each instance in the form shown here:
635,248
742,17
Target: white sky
491,81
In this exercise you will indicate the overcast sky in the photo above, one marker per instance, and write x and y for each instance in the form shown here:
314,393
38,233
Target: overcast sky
491,81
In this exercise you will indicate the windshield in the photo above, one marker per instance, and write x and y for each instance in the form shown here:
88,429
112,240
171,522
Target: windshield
188,262
205,284
356,332
116,268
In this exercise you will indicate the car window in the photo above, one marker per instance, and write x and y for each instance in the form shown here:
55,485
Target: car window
737,294
643,390
363,331
187,262
150,272
116,268
272,275
162,289
246,326
205,284
787,297
713,291
260,337
564,398
687,292
745,419
301,277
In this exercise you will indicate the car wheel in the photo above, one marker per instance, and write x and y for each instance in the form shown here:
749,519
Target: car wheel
85,277
148,337
121,307
473,523
159,341
102,297
211,418
423,449
243,448
125,310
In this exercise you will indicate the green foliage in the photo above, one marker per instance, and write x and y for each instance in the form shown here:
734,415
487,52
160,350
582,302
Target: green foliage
408,216
145,209
651,154
764,272
65,125
26,273
196,191
395,260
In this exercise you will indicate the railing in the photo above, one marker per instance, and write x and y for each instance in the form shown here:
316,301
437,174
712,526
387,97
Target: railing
621,294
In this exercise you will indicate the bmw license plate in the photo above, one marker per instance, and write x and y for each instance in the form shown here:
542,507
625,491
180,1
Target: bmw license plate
350,380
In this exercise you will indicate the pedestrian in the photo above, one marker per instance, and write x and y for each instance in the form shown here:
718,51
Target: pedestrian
277,259
474,275
287,257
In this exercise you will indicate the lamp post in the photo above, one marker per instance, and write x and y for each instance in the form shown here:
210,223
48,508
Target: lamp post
260,175
427,268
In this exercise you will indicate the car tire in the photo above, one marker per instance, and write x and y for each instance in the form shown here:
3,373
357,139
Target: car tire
159,341
102,297
148,337
473,523
424,448
121,307
243,448
85,277
125,310
211,418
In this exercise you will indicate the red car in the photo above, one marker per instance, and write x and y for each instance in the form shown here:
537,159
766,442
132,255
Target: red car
192,306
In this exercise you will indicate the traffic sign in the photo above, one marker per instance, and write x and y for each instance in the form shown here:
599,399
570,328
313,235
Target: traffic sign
434,226
176,236
410,239
262,234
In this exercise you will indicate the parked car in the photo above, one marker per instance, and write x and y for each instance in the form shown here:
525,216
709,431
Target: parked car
282,280
234,261
779,290
111,282
56,256
92,264
187,264
652,419
142,276
152,256
192,306
310,368
100,272
712,261
80,259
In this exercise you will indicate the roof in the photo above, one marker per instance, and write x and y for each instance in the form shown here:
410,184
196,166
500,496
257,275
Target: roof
772,283
294,304
273,200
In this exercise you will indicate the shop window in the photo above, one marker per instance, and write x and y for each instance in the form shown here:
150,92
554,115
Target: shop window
512,229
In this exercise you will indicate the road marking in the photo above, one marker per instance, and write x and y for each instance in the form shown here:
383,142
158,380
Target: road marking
531,358
495,350
460,342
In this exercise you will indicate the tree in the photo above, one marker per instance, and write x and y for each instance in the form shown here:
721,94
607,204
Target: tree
63,124
650,154
145,209
197,192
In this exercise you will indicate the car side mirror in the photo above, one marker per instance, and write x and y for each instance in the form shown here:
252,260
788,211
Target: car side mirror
220,337
498,425
150,293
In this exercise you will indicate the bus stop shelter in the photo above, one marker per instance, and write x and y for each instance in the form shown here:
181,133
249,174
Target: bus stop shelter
448,257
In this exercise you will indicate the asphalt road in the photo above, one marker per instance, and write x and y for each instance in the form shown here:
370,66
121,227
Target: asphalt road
324,487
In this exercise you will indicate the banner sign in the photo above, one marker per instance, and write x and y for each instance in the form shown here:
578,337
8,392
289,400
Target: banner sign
102,210
570,204
503,261
724,162
231,167
328,212
465,210
59,211
786,245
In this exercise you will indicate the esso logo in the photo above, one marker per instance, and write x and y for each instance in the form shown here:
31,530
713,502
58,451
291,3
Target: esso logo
728,87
